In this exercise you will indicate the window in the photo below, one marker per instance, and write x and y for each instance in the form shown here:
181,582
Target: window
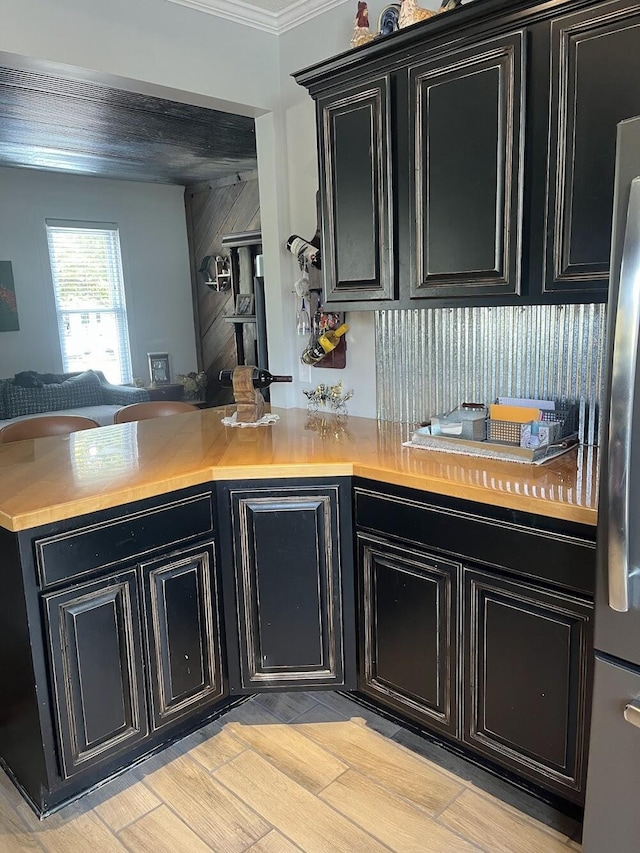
89,293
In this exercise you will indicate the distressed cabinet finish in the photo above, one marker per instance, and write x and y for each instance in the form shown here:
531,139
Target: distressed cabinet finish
468,148
595,56
502,148
184,644
110,641
356,175
494,657
116,637
408,631
288,580
99,697
528,653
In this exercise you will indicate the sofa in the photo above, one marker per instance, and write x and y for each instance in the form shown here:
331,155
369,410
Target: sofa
87,394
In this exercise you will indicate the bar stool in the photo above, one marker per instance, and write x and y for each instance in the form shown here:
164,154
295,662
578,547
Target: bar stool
152,409
44,426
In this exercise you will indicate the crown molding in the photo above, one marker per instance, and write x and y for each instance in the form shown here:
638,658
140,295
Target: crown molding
303,10
249,15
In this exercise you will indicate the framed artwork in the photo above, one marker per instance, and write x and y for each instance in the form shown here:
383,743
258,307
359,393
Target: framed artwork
159,368
8,304
244,304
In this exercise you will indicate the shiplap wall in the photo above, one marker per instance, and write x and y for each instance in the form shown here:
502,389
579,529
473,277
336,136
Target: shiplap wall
212,212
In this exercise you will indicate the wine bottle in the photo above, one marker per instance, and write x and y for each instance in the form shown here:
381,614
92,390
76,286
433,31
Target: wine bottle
297,246
261,378
323,345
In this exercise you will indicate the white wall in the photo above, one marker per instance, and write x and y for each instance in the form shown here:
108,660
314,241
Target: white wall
152,41
307,44
293,133
155,260
178,52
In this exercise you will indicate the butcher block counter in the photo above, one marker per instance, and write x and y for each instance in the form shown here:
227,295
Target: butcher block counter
154,572
58,478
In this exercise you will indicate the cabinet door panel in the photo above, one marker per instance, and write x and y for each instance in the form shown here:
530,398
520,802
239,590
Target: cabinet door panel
468,150
528,654
95,641
595,63
81,550
357,210
183,634
290,578
409,631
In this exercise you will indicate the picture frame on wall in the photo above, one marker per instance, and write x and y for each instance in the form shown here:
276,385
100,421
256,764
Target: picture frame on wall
8,306
159,368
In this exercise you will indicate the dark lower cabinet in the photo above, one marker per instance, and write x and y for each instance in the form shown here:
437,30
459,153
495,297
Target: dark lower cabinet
97,639
474,624
409,630
493,658
111,641
182,608
288,583
528,653
98,676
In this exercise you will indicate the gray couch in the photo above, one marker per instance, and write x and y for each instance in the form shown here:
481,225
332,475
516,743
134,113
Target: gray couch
87,394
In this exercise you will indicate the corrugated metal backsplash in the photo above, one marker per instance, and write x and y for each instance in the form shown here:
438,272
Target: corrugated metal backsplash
431,360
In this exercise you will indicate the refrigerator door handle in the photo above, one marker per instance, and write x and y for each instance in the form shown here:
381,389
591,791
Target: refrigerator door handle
632,713
623,376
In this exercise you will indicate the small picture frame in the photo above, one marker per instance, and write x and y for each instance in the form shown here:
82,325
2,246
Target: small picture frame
159,368
244,304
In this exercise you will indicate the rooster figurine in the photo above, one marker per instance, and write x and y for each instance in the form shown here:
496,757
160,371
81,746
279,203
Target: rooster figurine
411,13
361,31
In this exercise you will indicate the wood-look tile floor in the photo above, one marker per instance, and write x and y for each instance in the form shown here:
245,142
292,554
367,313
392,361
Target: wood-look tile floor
305,771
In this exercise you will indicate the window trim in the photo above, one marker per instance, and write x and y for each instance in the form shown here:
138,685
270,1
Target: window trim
118,289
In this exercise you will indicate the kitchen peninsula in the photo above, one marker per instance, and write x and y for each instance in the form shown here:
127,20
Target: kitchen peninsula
155,571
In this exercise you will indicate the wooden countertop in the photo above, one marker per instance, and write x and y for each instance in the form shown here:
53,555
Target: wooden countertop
51,479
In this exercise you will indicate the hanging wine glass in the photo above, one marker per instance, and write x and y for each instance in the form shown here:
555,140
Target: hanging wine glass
301,286
304,322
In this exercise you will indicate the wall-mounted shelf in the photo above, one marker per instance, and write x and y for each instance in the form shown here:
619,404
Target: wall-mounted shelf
240,318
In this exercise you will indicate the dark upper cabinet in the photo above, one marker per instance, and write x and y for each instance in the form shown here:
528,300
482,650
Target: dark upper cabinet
408,631
98,679
356,176
182,611
468,149
528,655
288,586
500,155
595,68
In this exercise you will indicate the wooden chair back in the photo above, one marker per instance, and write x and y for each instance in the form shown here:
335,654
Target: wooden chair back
43,426
152,409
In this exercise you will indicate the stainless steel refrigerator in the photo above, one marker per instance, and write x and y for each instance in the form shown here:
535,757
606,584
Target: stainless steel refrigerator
612,811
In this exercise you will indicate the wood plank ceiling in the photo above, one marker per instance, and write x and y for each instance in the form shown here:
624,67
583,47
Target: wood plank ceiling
82,127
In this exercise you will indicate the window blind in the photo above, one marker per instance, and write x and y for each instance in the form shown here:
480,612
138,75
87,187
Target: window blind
88,285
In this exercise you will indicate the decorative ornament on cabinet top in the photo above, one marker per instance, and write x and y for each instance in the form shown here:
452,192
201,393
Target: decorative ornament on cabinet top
361,32
411,13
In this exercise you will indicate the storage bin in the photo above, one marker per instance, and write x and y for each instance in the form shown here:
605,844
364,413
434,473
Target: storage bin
467,421
561,423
